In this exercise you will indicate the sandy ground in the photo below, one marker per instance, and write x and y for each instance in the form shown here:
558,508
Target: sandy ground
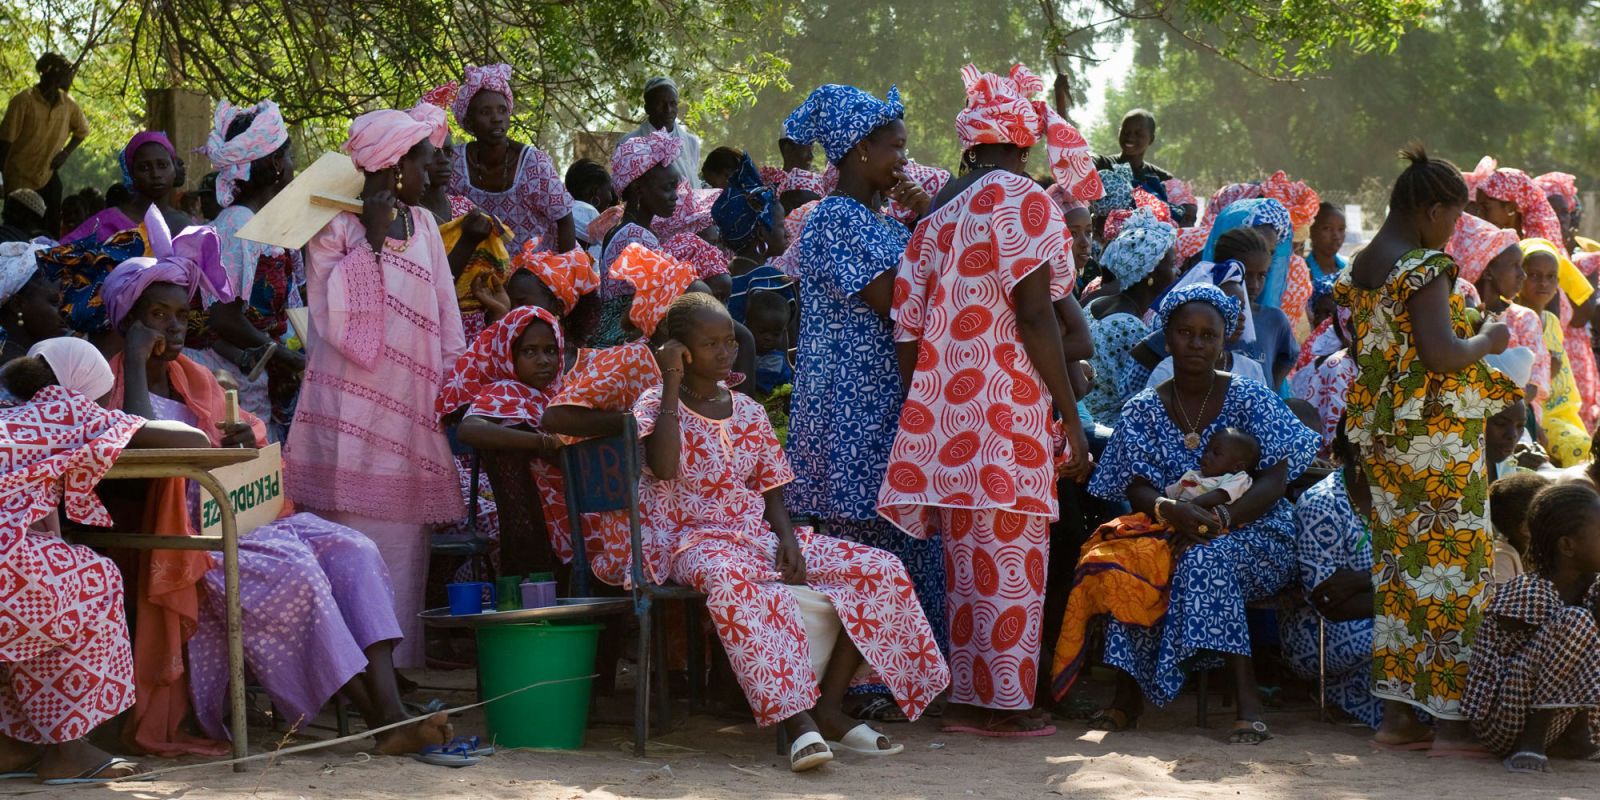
704,757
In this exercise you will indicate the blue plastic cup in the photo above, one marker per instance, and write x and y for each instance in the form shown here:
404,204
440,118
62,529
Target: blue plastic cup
465,598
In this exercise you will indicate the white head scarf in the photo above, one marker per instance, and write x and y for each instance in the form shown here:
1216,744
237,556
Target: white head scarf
18,262
77,364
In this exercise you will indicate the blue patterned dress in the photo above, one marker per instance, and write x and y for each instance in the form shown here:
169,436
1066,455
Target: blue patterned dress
1211,583
1332,536
1116,374
845,409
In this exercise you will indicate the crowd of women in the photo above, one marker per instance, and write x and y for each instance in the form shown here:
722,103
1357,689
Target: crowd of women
914,433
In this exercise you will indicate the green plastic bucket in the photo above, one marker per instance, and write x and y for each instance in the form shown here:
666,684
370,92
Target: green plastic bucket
513,656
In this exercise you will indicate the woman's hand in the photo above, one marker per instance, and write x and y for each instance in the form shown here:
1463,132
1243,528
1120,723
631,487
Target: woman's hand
910,194
236,434
1080,462
378,209
476,227
293,360
489,290
1498,334
791,562
1191,525
141,342
1330,596
671,358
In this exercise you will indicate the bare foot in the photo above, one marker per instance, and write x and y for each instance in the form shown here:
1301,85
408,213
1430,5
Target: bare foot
434,729
1400,727
79,759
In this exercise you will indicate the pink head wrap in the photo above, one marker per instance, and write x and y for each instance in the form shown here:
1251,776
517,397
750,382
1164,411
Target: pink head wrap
1560,183
634,157
1227,196
1476,242
1514,186
495,78
704,256
773,176
233,157
430,114
140,139
999,111
191,259
485,376
379,139
78,365
1179,193
1058,193
692,214
1191,241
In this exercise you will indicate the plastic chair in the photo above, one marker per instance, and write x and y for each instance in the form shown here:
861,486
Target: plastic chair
603,475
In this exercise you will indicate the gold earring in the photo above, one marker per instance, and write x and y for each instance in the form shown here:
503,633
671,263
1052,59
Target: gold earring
863,158
399,180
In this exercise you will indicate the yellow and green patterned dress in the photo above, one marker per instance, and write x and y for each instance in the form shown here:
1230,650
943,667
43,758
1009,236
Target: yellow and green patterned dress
1563,408
1421,437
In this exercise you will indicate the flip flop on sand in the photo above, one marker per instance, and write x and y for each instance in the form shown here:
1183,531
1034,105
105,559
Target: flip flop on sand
1103,720
1527,763
93,775
442,755
993,728
862,740
1254,732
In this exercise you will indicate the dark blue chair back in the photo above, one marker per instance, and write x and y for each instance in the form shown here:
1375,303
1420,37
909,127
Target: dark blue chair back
601,475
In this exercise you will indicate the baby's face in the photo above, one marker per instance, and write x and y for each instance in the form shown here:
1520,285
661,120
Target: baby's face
1223,456
770,331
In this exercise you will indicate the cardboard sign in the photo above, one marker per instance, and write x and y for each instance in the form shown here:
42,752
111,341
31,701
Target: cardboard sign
315,196
255,490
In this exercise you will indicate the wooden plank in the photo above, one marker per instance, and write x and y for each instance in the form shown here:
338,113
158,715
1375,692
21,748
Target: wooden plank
198,457
142,541
314,197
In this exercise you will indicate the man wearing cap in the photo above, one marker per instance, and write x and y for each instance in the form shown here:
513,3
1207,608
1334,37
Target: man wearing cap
661,114
38,121
22,216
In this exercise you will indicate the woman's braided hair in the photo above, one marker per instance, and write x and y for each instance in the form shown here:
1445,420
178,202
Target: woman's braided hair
1426,181
1555,512
681,314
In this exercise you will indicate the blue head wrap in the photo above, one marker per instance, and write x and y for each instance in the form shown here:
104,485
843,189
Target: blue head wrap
1250,214
839,116
746,203
1138,248
1225,305
1117,183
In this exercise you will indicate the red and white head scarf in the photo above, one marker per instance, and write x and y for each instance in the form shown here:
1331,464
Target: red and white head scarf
657,278
999,111
1476,242
638,155
485,376
1179,193
706,258
1191,241
1301,200
1227,196
1561,183
495,78
233,157
932,181
803,180
773,176
691,215
1514,186
1141,199
443,95
568,276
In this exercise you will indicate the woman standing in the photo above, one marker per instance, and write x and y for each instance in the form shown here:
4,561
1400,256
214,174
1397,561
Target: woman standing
980,349
1417,413
847,382
509,180
365,449
249,146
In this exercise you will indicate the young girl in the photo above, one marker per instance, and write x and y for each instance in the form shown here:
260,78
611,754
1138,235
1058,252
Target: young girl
712,506
1568,440
505,380
1535,676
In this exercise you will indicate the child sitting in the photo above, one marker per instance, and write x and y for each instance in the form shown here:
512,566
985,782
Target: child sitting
769,317
711,503
1509,499
1132,557
1534,683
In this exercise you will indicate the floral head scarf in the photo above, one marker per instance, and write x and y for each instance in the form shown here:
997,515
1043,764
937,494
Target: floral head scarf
1301,200
495,78
1116,190
140,139
657,278
568,276
1256,212
443,95
1000,110
640,154
1141,199
803,180
1560,183
707,259
232,157
1179,193
1475,243
840,116
379,139
746,205
1139,248
1225,304
1227,196
1514,186
191,259
1191,241
485,376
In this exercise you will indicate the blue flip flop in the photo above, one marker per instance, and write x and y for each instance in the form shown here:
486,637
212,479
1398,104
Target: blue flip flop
471,745
444,755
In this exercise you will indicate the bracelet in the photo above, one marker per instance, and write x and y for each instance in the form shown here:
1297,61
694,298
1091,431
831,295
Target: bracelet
1161,519
1225,516
678,370
667,412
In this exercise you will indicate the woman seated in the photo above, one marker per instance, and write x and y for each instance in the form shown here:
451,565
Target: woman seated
503,382
66,665
712,508
316,596
149,172
1334,551
1237,552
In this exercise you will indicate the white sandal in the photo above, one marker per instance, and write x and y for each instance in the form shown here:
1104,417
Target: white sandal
862,740
799,763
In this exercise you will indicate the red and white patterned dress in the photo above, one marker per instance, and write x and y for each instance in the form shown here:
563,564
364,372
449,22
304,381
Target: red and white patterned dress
707,529
973,454
66,664
607,380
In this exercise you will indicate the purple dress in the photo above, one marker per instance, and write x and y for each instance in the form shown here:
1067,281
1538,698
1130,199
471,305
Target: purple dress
314,596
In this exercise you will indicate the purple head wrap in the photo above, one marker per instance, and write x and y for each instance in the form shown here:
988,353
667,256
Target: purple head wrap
192,259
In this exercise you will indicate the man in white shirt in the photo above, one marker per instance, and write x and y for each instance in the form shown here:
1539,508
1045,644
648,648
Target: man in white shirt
661,114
